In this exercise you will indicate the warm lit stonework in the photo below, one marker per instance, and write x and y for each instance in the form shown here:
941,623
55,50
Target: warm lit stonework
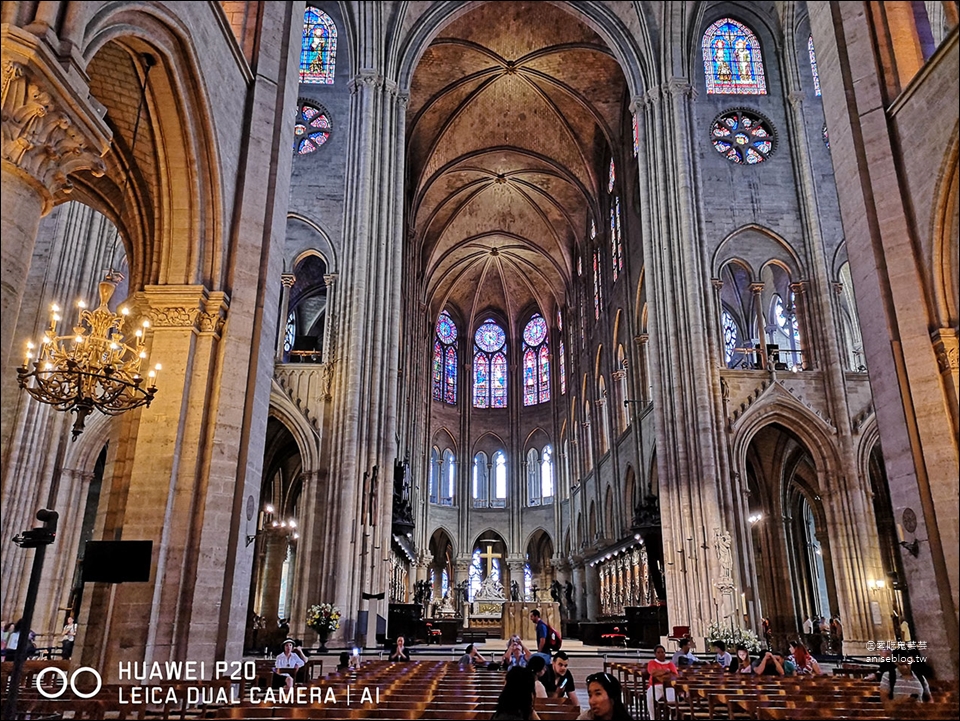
647,313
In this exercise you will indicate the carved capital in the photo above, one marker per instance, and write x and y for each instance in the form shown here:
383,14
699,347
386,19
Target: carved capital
837,287
50,127
680,87
287,280
330,279
946,345
369,79
799,288
717,283
618,375
184,306
756,288
795,98
641,339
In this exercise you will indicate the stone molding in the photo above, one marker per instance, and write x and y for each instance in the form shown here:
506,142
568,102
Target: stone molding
946,345
50,128
184,306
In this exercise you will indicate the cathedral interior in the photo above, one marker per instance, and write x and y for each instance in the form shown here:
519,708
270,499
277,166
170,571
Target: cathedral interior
645,310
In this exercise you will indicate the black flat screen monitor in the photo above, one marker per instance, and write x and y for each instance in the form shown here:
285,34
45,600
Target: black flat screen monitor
117,561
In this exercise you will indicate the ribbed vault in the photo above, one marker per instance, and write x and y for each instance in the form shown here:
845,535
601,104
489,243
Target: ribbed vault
513,111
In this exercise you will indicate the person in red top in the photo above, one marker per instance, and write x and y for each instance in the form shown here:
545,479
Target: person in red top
660,670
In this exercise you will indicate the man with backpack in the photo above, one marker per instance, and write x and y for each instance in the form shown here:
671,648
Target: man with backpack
548,639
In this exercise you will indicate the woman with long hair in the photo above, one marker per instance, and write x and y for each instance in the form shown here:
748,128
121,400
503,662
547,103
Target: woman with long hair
605,696
516,699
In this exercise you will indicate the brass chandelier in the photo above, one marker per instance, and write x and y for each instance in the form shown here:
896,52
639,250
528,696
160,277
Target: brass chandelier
92,368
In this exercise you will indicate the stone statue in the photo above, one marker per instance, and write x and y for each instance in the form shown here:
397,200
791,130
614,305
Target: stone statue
555,590
514,591
446,608
491,589
721,542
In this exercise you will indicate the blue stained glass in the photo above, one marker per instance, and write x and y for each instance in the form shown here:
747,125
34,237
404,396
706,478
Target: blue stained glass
318,49
563,370
312,129
593,229
544,373
450,373
732,61
612,179
498,384
597,292
613,244
559,319
437,371
529,377
826,136
446,328
636,136
490,336
813,66
745,138
535,331
481,380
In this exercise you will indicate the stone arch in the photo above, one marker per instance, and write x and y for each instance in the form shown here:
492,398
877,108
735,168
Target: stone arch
306,235
441,436
304,433
635,54
945,230
181,198
755,246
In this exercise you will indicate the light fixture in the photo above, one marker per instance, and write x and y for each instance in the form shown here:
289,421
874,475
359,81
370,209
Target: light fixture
91,368
267,523
755,518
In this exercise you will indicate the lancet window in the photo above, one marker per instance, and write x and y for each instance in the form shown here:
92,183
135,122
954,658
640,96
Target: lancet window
490,366
732,62
445,360
536,362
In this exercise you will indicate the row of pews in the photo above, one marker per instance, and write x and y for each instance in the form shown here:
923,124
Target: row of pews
707,692
377,690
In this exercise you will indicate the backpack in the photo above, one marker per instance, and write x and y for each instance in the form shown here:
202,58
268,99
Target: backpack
553,641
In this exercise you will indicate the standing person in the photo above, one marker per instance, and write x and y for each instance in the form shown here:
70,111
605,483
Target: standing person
68,636
808,626
659,670
605,696
542,632
400,652
515,702
558,681
287,664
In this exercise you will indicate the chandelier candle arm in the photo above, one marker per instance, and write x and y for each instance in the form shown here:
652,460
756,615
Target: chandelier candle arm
92,368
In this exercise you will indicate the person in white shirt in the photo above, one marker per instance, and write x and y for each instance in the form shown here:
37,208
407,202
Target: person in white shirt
723,656
808,626
289,660
684,655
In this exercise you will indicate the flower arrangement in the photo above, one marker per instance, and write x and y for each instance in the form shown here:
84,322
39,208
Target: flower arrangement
323,618
733,636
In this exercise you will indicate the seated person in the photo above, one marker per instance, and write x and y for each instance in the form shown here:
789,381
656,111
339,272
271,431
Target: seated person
287,665
472,657
723,656
538,667
741,663
400,652
557,679
684,654
768,665
886,665
517,655
806,664
659,670
903,686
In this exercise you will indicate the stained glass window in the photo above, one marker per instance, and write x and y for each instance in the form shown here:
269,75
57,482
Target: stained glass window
730,336
445,360
475,574
742,137
536,362
731,60
813,66
490,366
826,136
312,128
612,177
318,49
593,229
546,474
563,355
636,136
480,486
290,332
616,239
597,285
499,499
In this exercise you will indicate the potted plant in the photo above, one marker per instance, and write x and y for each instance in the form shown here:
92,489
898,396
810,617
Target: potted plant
324,618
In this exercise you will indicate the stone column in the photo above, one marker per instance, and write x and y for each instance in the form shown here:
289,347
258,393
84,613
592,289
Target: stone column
50,130
363,442
756,289
286,283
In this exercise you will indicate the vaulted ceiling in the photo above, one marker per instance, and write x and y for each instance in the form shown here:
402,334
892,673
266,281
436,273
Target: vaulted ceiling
513,110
